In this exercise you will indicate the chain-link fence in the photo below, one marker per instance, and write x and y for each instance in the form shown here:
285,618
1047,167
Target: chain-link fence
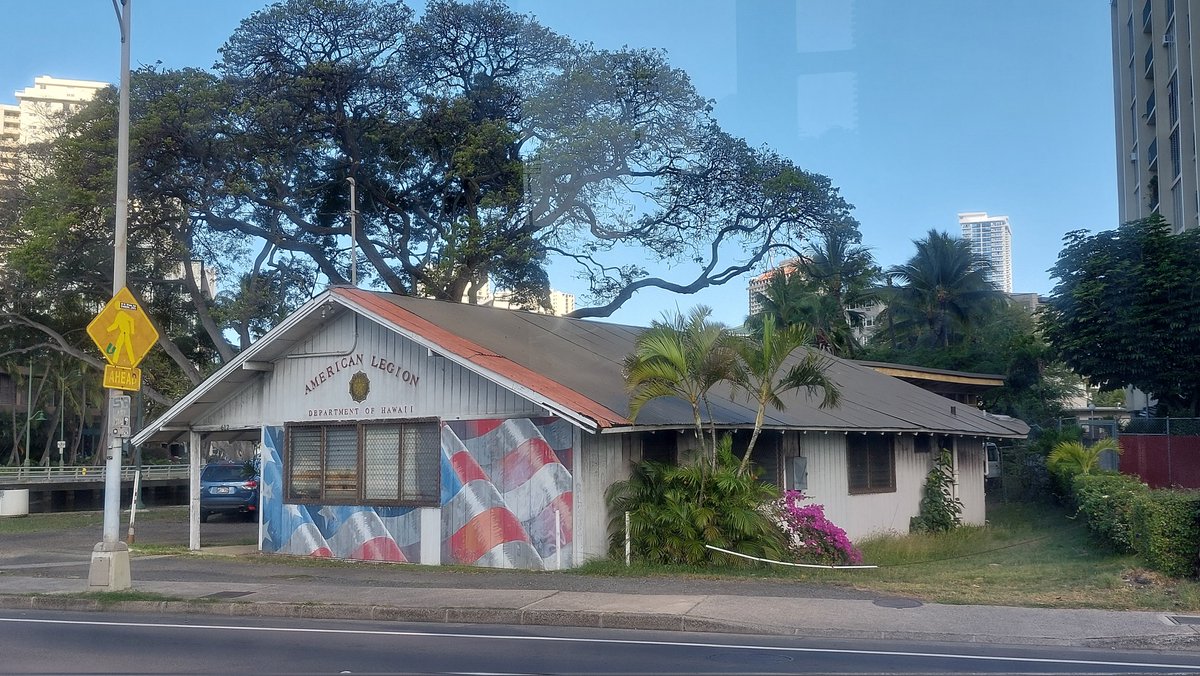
1023,474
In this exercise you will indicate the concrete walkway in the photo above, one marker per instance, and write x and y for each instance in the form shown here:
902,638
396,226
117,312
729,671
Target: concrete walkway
29,586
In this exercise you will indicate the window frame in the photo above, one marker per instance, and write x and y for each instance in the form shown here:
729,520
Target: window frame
855,455
360,477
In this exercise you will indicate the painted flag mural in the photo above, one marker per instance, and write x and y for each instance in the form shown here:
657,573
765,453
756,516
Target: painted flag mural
506,501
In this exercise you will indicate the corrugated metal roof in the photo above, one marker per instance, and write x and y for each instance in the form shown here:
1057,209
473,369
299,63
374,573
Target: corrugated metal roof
575,366
586,358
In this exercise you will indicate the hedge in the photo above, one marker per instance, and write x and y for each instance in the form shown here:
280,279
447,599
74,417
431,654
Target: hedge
1107,500
1166,530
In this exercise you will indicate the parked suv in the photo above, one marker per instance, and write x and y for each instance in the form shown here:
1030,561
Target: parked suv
228,488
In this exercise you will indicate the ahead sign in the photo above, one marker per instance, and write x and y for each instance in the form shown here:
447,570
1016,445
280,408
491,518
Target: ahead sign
122,378
122,331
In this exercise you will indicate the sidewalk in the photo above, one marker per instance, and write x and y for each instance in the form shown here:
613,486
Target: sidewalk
22,587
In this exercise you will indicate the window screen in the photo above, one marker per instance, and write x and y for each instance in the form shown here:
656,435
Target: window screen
304,463
871,463
387,463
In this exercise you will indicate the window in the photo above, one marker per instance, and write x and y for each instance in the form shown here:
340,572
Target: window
871,463
397,463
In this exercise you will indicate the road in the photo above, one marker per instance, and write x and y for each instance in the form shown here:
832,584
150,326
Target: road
51,642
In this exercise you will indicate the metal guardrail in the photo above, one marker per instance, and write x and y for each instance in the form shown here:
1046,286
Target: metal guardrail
87,473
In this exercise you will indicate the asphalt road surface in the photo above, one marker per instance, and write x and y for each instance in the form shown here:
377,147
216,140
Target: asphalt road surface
48,642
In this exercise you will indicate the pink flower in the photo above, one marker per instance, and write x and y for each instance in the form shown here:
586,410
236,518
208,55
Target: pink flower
811,535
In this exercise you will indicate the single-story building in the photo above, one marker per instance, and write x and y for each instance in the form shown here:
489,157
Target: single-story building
406,429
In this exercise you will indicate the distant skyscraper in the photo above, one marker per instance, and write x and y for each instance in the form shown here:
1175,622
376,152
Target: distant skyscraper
1155,54
991,239
37,116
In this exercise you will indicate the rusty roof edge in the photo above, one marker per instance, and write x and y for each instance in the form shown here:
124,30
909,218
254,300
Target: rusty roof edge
591,415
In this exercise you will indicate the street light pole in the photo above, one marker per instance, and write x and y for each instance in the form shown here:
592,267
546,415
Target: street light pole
353,231
110,558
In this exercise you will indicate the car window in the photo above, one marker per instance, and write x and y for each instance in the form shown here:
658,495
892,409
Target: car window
223,473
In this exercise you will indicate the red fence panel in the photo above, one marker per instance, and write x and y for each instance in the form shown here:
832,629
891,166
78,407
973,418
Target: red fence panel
1162,460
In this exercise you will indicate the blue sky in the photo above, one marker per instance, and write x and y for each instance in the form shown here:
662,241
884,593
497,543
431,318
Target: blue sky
917,110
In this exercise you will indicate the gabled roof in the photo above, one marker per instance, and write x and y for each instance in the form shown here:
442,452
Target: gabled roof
573,367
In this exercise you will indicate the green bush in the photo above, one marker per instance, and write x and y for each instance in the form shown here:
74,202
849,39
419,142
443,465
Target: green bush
674,511
1107,500
1166,534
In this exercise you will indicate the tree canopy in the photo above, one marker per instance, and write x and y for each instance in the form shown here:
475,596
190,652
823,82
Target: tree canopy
941,312
487,147
939,293
825,289
1126,310
484,146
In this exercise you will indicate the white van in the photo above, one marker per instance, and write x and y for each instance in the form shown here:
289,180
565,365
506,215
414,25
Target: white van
993,461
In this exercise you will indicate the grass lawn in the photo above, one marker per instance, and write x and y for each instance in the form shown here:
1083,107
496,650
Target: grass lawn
1026,556
34,523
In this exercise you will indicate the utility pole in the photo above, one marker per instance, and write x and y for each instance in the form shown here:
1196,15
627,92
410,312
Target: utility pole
353,231
110,558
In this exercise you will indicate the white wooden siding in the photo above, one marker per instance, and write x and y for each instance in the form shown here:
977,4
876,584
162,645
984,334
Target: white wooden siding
866,514
242,410
601,461
406,381
970,464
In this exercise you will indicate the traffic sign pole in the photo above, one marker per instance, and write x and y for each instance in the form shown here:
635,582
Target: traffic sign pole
110,558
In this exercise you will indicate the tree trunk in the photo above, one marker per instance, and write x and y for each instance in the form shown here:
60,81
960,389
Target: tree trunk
758,423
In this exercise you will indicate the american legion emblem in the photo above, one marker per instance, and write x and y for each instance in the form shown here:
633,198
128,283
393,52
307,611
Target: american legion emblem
360,387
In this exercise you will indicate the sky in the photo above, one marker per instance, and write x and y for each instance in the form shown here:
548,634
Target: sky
916,110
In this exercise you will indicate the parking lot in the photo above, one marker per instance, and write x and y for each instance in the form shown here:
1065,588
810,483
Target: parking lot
160,526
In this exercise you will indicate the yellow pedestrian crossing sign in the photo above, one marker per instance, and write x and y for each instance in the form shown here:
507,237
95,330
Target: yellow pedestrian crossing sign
122,331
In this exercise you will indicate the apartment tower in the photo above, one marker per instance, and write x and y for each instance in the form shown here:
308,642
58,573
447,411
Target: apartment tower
37,117
1154,58
991,240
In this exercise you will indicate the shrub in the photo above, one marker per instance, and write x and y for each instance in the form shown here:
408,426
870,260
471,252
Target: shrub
810,536
674,511
1166,534
939,511
1107,501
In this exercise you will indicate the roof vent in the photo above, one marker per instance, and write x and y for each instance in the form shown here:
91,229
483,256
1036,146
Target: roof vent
953,410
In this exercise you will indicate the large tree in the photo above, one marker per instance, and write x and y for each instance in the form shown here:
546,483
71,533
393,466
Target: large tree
57,239
1126,310
486,147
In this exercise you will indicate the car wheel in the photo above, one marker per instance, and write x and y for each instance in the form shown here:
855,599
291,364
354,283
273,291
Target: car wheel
203,516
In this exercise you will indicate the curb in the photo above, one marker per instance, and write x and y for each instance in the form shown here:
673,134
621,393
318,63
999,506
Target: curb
328,611
564,618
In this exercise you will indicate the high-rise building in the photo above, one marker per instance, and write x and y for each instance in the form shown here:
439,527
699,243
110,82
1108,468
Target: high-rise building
758,285
1154,56
37,116
991,240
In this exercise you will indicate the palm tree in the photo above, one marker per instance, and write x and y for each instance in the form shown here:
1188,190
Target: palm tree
682,357
943,290
825,289
763,357
1069,458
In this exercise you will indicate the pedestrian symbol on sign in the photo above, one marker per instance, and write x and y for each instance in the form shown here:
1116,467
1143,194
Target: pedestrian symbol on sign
123,325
